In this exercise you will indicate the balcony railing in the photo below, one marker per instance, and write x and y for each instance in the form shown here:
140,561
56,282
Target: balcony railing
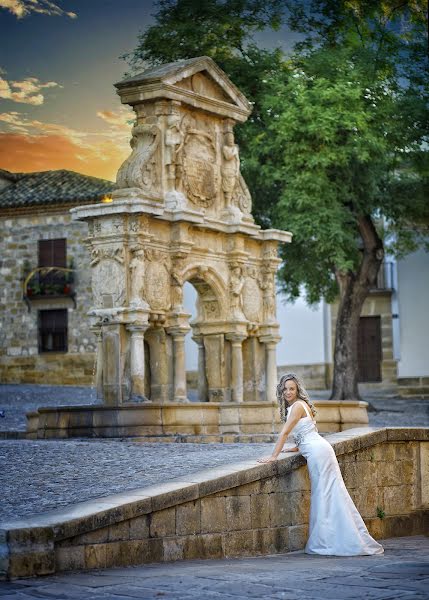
48,283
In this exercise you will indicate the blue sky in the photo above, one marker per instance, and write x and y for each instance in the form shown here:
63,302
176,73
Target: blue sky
59,60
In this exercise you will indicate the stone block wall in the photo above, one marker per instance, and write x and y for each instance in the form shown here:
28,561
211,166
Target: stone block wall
413,387
267,516
244,509
20,360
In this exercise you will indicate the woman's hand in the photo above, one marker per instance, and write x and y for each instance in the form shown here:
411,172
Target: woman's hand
267,459
294,449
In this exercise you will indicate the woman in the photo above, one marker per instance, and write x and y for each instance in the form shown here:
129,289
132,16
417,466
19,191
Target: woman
336,527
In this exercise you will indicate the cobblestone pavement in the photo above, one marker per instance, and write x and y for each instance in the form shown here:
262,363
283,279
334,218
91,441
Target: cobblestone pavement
54,473
402,573
17,400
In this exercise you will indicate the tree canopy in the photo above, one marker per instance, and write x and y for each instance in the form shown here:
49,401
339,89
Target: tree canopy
336,149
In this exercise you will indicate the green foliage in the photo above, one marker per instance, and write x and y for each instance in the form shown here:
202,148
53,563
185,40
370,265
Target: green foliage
380,513
187,28
338,130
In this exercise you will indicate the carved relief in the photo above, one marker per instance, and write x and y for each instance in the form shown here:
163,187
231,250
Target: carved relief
142,168
252,299
176,291
241,197
157,279
138,224
202,84
108,283
211,309
114,253
199,172
117,225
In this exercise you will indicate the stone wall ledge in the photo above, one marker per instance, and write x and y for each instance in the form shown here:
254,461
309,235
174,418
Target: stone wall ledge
48,542
175,419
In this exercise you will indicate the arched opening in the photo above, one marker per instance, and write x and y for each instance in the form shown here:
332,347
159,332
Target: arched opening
190,301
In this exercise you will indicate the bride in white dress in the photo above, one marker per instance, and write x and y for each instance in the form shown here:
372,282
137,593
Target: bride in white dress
336,527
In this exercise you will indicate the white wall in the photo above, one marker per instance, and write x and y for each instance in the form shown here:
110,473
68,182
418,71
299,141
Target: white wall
191,348
413,304
304,333
302,329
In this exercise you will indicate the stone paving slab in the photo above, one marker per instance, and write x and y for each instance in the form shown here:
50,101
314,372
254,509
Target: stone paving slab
401,573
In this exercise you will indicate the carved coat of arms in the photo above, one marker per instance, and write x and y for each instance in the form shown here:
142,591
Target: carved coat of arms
199,158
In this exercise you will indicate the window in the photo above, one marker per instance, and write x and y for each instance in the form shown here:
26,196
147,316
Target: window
53,330
52,253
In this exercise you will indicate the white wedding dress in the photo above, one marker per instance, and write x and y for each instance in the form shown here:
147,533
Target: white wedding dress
336,527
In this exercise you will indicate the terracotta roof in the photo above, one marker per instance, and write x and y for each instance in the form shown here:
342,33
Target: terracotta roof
51,187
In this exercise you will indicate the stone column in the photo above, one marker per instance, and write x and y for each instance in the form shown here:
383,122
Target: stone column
202,378
137,362
270,371
114,382
236,367
179,367
99,367
98,361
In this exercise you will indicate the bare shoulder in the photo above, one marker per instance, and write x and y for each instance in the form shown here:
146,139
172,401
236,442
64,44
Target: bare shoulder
297,409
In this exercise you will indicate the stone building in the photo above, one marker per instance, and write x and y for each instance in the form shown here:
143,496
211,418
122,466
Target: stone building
44,330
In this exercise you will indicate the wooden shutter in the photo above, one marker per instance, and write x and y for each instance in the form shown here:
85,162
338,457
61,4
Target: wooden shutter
52,253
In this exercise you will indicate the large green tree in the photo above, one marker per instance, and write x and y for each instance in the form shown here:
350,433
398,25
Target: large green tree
336,147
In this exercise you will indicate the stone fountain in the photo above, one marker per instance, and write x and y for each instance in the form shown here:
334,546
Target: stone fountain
182,213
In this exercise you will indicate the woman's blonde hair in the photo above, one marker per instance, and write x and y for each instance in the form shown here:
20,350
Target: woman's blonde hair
302,395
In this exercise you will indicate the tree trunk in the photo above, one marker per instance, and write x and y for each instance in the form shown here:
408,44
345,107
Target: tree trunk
354,288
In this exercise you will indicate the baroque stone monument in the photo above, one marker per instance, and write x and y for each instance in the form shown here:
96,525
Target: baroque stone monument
182,212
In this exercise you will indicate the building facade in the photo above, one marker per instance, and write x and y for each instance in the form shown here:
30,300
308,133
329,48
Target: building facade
45,275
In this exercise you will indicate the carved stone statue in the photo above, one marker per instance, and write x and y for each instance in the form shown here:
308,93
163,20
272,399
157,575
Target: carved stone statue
230,170
173,144
269,296
137,274
236,282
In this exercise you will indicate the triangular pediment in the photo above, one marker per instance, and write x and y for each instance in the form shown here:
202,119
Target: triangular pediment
202,83
199,77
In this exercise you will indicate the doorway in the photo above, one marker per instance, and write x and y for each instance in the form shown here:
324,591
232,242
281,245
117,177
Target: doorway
369,349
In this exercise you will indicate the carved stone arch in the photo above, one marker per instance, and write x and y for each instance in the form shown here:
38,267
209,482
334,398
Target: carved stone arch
211,292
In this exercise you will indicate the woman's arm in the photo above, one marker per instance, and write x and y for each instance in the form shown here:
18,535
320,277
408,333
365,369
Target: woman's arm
293,419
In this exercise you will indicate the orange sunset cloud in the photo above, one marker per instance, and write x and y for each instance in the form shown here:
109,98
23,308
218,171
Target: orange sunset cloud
21,153
31,145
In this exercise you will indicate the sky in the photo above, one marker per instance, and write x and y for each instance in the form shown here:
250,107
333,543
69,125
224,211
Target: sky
59,60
